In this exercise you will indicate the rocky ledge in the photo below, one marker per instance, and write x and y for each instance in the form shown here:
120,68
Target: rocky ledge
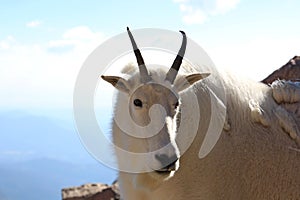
94,191
289,71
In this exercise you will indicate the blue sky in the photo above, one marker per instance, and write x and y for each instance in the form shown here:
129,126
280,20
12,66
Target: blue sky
44,43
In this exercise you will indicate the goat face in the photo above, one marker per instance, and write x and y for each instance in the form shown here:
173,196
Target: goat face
156,106
152,118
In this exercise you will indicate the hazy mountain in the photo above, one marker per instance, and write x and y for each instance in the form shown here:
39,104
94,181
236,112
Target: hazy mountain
39,156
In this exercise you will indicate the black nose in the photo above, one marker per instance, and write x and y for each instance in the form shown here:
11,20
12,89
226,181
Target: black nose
168,163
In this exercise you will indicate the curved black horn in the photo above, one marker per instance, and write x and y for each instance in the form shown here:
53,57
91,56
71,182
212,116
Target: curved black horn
139,58
171,75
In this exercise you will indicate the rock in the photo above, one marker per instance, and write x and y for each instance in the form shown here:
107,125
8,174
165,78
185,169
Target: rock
289,71
95,191
287,93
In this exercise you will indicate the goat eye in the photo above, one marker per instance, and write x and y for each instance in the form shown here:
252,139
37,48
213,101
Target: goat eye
138,103
176,104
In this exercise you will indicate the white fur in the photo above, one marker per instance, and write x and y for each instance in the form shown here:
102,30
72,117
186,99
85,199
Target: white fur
254,158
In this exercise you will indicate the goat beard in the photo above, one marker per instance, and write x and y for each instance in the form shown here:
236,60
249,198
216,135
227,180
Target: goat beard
150,181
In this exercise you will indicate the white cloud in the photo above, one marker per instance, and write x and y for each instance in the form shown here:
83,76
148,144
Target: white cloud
223,6
199,11
81,32
33,23
41,76
7,42
77,37
195,17
255,58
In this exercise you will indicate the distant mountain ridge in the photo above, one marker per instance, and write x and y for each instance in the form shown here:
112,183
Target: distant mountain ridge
38,136
41,155
43,178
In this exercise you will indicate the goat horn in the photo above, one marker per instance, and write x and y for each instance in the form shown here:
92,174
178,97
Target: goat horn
172,73
143,70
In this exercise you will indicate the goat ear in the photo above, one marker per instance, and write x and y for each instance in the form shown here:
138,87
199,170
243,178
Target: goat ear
118,82
187,81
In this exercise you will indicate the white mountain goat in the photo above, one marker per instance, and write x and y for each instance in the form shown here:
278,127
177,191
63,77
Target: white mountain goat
257,155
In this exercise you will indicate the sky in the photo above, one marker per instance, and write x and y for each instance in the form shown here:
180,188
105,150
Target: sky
43,44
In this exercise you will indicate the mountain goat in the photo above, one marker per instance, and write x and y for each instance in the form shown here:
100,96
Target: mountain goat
257,154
